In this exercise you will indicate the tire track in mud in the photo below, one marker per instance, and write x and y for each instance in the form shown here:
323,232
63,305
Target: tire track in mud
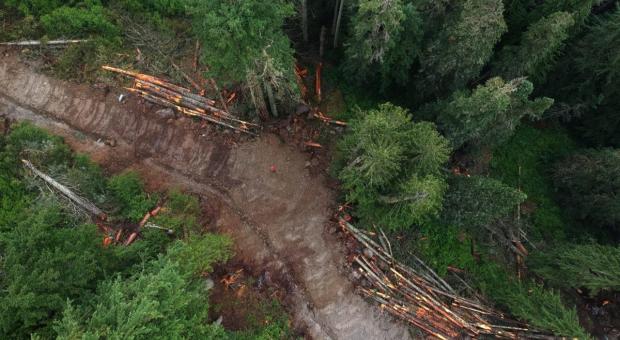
276,219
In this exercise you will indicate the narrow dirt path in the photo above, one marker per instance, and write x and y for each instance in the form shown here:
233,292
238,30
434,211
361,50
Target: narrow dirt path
276,219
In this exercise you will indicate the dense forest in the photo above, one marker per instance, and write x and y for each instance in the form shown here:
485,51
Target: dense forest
482,137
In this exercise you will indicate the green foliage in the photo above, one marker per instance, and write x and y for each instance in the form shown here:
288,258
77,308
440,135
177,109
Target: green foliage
161,302
384,42
43,264
393,167
181,213
524,162
274,326
474,202
167,8
538,49
488,115
69,22
39,147
443,245
439,244
198,254
48,257
591,266
540,307
35,7
127,192
241,37
463,46
523,13
587,81
589,186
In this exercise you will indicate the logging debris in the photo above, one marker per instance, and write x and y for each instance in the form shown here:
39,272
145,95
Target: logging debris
169,95
419,297
111,235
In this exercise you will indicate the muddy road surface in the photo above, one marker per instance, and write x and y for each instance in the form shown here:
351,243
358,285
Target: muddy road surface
277,219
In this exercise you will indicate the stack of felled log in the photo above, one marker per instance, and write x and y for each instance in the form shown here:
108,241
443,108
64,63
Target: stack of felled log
421,298
181,99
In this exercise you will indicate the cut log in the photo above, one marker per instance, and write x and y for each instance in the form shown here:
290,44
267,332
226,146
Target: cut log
39,42
81,202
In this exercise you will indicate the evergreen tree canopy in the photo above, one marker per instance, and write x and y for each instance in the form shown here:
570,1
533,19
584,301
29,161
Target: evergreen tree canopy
474,202
393,167
589,185
163,301
537,51
591,266
463,46
245,36
489,114
385,37
523,13
587,81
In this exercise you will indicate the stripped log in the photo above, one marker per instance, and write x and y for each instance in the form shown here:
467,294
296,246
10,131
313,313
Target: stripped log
81,202
39,42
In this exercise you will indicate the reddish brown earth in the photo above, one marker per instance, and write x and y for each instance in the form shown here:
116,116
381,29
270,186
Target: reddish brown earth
277,219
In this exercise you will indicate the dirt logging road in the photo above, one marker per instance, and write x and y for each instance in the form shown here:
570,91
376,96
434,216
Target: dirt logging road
277,218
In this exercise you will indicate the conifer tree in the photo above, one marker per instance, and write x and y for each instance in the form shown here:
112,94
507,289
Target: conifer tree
384,40
392,167
536,53
464,45
243,41
489,114
589,186
587,81
474,202
591,266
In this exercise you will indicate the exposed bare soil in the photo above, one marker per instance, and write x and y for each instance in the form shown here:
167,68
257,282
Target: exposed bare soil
277,219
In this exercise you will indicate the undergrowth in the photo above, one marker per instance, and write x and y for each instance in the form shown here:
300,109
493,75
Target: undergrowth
524,162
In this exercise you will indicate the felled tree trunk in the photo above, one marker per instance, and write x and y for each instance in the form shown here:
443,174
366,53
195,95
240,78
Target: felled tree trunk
81,202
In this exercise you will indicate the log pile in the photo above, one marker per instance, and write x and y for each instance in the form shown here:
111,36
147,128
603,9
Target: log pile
419,297
181,99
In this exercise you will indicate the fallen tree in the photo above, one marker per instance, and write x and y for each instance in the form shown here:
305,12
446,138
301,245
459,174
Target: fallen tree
75,198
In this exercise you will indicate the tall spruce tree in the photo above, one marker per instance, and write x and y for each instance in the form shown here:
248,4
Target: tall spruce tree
465,43
589,186
392,168
489,114
537,51
384,42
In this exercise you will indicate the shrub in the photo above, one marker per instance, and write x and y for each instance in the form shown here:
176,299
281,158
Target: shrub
128,195
78,22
